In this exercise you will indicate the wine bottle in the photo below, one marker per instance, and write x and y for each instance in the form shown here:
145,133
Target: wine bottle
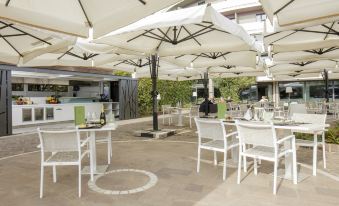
102,117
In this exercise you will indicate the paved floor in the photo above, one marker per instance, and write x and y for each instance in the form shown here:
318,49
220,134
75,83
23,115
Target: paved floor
173,162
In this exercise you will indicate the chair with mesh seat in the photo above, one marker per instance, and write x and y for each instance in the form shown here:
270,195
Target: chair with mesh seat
193,113
61,148
218,140
266,146
318,119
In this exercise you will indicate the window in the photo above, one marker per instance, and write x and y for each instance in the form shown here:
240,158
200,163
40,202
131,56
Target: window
297,90
260,17
47,88
17,87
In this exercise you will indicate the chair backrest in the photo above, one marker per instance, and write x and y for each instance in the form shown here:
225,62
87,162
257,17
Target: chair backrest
194,111
310,118
165,107
210,129
259,134
59,140
297,108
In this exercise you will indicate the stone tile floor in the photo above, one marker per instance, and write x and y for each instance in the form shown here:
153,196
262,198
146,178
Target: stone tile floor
173,161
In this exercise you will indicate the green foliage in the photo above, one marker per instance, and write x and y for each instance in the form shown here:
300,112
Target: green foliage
170,91
121,73
231,87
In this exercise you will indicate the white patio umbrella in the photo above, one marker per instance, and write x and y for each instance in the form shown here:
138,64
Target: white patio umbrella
80,54
76,17
207,59
303,66
301,13
185,31
318,39
297,56
21,43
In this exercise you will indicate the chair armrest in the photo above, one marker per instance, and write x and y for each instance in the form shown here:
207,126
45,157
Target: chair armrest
231,134
285,139
84,142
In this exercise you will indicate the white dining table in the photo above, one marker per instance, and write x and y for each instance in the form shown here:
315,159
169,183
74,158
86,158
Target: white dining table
310,128
94,168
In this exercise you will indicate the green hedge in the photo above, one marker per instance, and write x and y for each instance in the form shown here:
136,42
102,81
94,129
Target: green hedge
170,91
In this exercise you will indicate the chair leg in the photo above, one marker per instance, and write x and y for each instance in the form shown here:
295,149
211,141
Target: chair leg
239,166
163,117
80,179
275,176
315,148
255,165
215,158
224,169
109,150
190,122
54,174
245,161
42,181
198,161
91,166
295,174
324,149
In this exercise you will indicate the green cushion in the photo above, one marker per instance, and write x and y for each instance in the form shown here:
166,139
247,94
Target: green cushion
79,115
221,110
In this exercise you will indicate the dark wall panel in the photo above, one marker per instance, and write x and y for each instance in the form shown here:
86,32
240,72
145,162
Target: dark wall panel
5,102
128,99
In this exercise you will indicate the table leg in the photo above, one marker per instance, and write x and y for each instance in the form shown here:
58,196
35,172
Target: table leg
92,147
315,149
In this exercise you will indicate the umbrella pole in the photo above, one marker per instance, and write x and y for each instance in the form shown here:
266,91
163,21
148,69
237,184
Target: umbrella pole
326,85
154,93
206,92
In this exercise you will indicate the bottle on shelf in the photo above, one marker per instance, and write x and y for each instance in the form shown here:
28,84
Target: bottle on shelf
102,117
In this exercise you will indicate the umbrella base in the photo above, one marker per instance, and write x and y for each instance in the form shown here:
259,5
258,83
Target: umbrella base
150,133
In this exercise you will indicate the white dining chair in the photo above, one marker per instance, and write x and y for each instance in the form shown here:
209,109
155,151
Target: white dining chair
266,146
218,140
297,108
318,119
61,148
193,113
166,109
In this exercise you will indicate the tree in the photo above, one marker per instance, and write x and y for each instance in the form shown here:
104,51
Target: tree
231,87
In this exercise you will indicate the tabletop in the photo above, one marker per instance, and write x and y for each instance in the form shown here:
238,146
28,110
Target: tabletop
106,127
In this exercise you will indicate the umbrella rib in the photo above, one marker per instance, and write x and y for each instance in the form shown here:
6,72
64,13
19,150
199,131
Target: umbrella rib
75,55
328,30
31,35
283,37
317,32
9,43
283,7
163,38
143,2
190,37
195,33
3,27
7,2
179,32
197,56
119,63
211,27
146,31
84,12
64,53
13,35
179,56
165,34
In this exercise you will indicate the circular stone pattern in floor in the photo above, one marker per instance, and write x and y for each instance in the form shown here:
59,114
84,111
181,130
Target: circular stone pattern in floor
123,183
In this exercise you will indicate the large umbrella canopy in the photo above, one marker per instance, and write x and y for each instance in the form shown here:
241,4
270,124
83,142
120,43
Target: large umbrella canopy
78,16
207,59
81,54
324,36
21,43
300,67
185,31
307,55
299,13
